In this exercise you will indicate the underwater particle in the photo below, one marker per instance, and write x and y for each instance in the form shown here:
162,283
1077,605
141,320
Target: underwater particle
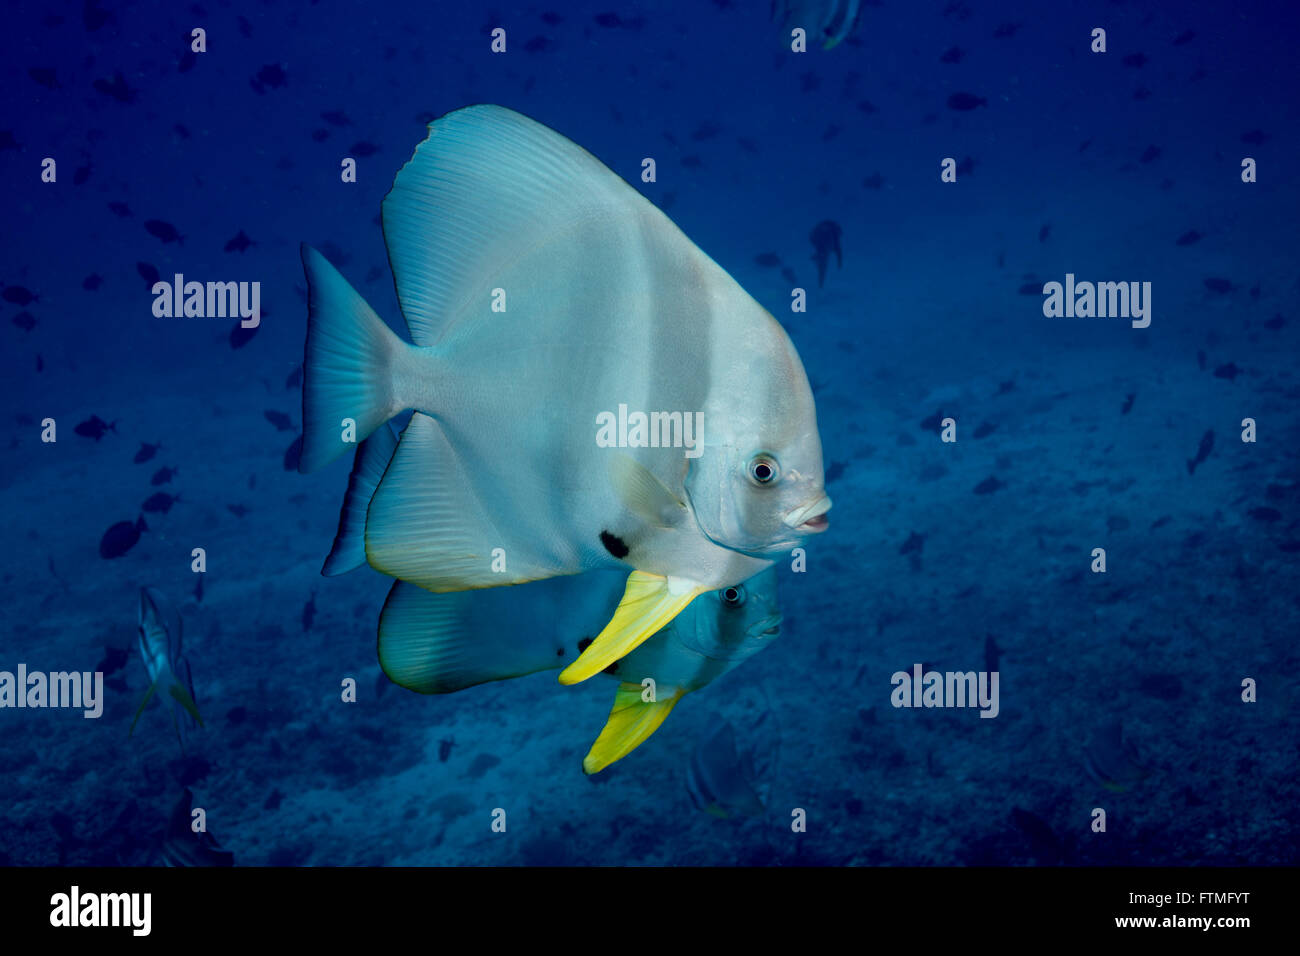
1229,370
164,231
148,273
825,238
1202,451
115,88
161,503
293,454
1161,686
44,76
964,102
280,420
19,295
240,335
271,75
239,243
309,612
95,427
121,538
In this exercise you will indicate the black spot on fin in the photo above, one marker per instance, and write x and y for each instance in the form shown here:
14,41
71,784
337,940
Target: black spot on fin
613,544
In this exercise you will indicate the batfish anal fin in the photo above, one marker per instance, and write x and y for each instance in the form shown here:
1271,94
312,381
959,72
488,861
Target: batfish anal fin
426,523
631,723
649,602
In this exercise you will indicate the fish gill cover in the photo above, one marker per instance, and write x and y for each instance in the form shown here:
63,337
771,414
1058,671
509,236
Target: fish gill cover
548,333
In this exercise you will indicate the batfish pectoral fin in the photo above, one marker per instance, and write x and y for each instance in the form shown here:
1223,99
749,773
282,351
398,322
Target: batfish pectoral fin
649,602
631,722
643,493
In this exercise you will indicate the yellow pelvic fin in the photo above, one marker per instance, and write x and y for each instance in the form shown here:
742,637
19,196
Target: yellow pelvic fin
631,722
148,696
649,602
183,698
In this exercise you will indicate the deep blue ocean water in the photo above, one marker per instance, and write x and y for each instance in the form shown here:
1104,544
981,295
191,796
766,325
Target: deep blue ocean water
1120,691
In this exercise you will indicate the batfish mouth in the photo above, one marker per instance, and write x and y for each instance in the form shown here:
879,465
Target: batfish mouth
810,519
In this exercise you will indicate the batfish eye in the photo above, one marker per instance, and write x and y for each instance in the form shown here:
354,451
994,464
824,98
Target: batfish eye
734,597
763,469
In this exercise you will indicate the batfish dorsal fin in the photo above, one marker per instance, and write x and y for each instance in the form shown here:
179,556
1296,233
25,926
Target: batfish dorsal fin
487,185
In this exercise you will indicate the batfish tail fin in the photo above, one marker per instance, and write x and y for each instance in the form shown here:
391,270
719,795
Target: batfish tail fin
348,371
631,722
372,457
